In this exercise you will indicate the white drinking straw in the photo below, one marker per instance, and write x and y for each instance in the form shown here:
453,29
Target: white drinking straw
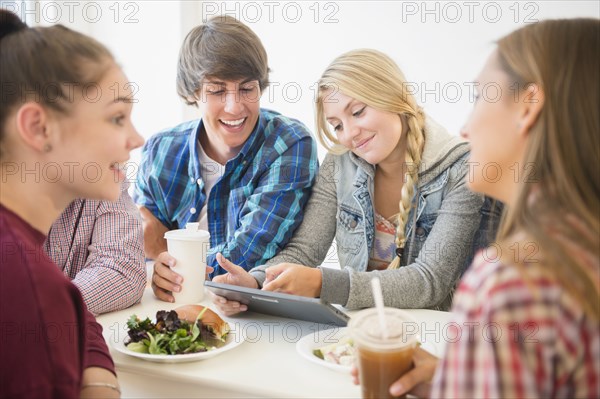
378,297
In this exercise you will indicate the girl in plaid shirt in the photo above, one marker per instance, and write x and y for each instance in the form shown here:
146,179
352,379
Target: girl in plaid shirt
531,302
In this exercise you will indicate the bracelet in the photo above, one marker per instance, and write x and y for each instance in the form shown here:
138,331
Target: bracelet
102,385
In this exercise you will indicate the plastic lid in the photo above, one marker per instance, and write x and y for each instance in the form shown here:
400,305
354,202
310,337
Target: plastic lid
402,330
188,235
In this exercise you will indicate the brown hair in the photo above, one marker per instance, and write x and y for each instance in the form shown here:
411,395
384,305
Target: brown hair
373,78
562,195
45,64
225,48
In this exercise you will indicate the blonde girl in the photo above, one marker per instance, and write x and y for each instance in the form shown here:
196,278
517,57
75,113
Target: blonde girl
392,192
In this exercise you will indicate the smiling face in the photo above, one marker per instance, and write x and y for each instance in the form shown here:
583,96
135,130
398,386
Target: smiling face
94,139
369,133
494,130
230,111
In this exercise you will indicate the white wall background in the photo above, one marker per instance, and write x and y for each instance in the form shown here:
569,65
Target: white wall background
440,45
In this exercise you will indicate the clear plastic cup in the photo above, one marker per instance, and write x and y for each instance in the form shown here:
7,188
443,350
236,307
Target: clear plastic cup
381,361
189,247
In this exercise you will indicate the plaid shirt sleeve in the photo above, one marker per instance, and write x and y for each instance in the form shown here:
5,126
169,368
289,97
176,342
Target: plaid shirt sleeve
99,246
514,338
273,211
166,183
147,192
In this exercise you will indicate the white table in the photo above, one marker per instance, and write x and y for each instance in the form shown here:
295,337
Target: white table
266,365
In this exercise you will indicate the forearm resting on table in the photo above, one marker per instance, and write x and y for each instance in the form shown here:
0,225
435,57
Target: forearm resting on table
99,383
154,232
119,291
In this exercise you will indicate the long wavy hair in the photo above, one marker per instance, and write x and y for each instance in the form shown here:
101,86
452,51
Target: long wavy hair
558,203
374,79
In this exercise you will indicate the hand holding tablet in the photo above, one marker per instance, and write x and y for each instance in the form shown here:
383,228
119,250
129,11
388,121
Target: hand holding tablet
294,279
235,275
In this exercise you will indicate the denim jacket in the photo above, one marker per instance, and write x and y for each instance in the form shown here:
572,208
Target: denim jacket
441,236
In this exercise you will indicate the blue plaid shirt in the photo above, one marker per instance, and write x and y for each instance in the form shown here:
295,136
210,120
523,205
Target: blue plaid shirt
254,208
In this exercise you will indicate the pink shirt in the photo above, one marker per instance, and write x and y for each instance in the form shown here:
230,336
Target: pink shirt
47,335
99,246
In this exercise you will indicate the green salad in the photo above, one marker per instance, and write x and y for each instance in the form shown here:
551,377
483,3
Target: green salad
170,335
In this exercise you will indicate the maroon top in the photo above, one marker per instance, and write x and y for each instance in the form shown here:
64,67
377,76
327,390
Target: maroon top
47,335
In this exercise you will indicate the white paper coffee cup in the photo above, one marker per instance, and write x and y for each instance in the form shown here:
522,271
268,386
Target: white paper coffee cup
189,247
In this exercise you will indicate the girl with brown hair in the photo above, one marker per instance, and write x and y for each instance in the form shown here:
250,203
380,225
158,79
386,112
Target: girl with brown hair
532,301
63,135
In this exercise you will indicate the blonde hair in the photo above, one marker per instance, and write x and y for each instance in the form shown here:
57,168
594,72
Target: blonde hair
374,79
562,58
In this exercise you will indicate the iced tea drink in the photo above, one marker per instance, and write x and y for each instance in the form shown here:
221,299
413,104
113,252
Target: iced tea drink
381,361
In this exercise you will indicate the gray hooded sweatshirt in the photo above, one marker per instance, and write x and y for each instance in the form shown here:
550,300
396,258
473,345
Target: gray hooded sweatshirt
441,236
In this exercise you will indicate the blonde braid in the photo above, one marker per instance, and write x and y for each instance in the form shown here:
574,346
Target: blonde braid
414,149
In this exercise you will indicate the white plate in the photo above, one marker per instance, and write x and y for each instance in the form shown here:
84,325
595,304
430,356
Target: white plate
318,339
233,340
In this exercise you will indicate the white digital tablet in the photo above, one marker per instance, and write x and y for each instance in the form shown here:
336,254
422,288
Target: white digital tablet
281,305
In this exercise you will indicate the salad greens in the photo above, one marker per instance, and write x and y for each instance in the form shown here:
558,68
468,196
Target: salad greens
170,335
